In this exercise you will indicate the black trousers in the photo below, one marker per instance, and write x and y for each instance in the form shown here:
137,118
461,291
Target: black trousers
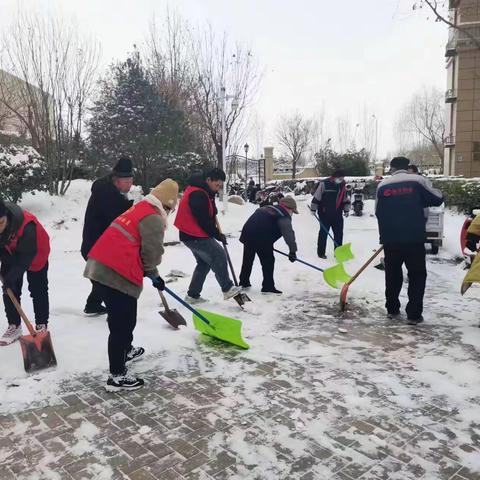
94,300
122,318
267,260
413,256
38,288
329,222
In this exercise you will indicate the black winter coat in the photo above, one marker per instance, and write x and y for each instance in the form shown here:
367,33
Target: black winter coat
330,198
16,264
105,205
267,225
401,200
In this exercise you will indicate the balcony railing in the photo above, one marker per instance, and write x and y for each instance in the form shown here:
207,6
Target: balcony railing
449,141
450,95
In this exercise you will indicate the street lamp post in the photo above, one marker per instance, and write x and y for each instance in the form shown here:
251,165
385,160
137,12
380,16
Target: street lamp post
246,147
223,98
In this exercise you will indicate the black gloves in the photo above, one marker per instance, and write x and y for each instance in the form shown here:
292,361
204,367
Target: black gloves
292,256
158,283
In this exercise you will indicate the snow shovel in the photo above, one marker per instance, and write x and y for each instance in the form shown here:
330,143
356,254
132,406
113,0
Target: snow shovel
173,317
344,292
333,276
241,297
215,325
37,349
343,253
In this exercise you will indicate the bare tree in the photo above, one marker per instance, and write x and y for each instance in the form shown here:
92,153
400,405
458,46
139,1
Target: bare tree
52,72
423,120
439,8
295,134
217,64
344,133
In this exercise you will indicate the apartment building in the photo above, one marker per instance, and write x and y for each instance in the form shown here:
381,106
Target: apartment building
462,140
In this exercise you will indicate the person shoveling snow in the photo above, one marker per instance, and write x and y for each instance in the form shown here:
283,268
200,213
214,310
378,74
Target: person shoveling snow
129,249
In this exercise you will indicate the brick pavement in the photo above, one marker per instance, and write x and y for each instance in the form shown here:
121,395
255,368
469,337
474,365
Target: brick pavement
295,416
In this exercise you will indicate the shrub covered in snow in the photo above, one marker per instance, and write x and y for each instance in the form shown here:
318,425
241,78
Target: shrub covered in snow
22,170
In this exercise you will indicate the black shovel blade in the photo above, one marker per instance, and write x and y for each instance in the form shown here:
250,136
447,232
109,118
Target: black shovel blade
239,299
173,318
37,351
245,297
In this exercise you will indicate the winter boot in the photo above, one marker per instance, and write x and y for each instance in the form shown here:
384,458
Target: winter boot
271,291
11,334
394,315
134,354
415,321
322,256
117,383
95,310
231,293
194,301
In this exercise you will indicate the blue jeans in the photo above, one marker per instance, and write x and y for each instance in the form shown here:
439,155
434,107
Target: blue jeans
209,256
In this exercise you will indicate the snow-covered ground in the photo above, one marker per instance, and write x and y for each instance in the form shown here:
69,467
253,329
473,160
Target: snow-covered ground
434,370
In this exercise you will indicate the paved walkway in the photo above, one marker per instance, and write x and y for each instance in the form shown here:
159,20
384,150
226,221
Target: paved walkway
331,406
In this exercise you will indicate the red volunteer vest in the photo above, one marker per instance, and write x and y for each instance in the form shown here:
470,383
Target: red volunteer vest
185,221
43,242
119,246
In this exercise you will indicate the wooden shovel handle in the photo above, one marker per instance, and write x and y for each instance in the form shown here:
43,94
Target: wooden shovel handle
365,265
164,301
21,312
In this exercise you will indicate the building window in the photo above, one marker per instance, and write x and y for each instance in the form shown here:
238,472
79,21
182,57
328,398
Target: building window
476,151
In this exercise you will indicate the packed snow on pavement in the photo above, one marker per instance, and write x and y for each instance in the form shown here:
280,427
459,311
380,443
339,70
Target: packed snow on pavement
269,326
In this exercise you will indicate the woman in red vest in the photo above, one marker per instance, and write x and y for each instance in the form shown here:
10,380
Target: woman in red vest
130,248
24,247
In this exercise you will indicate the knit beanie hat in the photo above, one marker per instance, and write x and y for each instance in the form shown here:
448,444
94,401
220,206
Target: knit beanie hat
167,193
400,163
123,168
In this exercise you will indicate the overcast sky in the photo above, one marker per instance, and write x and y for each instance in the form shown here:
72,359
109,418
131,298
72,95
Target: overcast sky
342,55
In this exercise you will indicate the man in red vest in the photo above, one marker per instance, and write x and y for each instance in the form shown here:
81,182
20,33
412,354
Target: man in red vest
130,248
196,220
24,247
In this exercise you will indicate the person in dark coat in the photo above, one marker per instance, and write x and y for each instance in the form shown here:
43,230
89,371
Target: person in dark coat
107,202
259,234
24,247
196,221
400,210
330,201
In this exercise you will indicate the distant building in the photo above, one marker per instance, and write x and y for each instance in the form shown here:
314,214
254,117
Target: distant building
462,140
280,170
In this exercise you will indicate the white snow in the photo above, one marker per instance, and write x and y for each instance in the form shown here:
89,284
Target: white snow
80,342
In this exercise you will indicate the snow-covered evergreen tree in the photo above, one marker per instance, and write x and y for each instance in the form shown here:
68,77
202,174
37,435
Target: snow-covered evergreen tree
130,118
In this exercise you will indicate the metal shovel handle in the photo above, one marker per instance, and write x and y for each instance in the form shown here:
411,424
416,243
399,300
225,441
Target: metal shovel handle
298,260
187,306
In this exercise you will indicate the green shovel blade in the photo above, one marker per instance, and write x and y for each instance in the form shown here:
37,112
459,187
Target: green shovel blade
336,276
225,328
343,253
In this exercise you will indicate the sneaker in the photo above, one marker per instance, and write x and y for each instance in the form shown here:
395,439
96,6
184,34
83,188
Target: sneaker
234,291
116,383
194,301
95,310
41,327
393,316
271,291
415,321
322,255
134,354
11,334
380,266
